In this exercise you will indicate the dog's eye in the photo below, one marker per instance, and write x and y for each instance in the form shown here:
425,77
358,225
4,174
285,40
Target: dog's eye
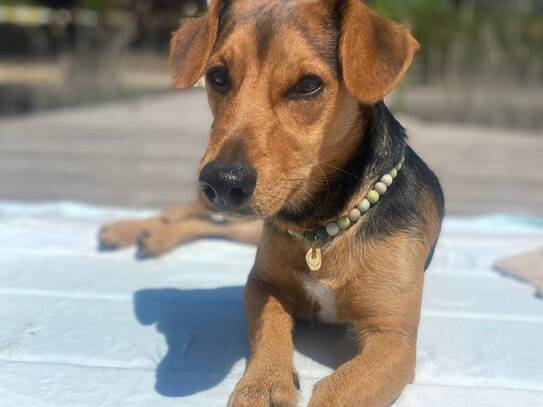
218,79
308,86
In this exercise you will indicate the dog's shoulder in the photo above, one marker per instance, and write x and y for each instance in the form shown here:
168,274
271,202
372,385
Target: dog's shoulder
413,204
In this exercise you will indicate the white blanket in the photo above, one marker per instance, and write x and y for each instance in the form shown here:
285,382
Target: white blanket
82,328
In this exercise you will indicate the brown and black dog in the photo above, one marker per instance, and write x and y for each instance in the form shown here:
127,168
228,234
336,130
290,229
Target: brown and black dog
300,136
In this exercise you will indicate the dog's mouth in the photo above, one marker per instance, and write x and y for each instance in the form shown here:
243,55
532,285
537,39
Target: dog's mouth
257,207
234,191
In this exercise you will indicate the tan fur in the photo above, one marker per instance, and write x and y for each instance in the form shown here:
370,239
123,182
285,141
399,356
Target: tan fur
175,226
375,66
376,284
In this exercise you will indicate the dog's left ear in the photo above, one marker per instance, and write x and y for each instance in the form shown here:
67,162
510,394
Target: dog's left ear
191,47
375,52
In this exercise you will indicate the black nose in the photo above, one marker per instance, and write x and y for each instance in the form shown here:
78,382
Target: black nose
227,187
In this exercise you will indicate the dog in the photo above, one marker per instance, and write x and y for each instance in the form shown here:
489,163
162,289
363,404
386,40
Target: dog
305,158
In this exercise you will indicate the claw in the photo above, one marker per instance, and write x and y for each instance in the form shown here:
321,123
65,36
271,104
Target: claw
104,246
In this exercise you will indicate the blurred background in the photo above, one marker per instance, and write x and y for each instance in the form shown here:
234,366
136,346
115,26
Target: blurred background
87,113
58,53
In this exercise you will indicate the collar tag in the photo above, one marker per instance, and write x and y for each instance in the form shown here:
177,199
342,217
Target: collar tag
313,257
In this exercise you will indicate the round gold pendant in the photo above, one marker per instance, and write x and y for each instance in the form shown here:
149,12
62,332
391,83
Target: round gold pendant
314,259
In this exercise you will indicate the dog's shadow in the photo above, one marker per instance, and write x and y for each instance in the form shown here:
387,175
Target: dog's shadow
205,331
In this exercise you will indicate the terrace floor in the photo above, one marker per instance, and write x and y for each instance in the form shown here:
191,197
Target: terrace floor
144,153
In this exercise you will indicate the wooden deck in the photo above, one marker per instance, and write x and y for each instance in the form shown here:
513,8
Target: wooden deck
144,154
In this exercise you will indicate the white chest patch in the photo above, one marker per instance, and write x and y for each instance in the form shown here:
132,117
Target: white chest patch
323,295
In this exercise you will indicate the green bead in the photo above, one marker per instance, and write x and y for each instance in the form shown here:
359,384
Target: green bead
387,180
354,215
373,196
309,236
364,206
393,173
298,235
333,229
344,222
322,234
381,188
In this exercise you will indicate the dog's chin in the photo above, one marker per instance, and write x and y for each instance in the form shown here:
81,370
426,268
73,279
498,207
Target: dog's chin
247,212
252,212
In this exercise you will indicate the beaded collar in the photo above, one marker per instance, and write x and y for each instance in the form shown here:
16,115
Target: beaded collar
334,228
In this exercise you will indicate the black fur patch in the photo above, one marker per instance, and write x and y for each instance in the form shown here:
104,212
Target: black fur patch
327,51
267,20
379,151
266,25
399,209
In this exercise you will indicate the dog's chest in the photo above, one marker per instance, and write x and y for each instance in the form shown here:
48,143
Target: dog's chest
321,294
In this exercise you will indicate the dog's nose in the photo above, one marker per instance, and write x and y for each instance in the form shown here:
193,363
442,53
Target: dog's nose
227,187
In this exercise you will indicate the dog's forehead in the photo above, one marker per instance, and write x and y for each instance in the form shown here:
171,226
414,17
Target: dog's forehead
277,7
265,19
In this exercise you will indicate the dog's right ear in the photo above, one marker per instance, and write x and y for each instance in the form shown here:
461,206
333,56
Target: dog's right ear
191,47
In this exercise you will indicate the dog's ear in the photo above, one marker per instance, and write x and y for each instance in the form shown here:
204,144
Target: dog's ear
375,52
191,47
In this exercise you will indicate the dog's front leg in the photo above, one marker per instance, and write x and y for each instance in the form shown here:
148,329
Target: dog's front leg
125,233
374,378
269,378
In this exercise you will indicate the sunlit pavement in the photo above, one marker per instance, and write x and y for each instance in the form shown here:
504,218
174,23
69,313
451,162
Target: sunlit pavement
82,328
144,153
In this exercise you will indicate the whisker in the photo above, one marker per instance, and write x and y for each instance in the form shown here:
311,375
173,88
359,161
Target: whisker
325,178
340,169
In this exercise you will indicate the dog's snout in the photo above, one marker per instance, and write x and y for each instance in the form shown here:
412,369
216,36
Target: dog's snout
227,187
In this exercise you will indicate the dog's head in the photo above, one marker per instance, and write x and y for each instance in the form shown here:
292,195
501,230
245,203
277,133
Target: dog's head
286,80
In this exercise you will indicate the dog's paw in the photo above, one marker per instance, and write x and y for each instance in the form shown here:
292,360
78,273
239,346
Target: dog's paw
156,241
325,394
265,392
120,234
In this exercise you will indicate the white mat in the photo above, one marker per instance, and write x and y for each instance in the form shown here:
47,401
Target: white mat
81,328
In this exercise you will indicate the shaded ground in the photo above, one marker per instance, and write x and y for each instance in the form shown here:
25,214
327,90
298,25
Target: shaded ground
144,154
